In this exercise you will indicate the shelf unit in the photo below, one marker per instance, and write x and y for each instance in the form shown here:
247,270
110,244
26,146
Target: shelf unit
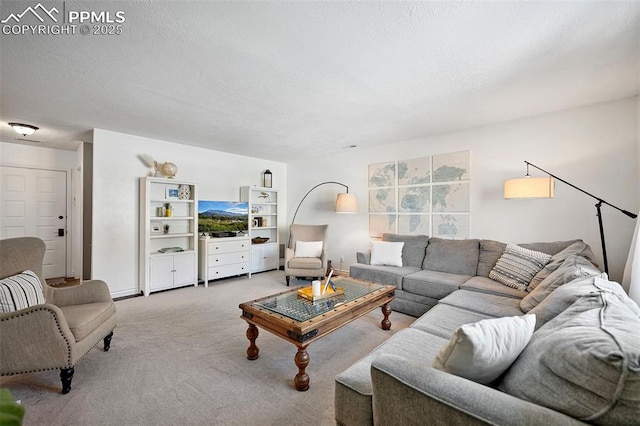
263,222
158,270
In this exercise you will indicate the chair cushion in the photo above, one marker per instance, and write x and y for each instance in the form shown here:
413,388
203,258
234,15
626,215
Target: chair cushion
452,256
483,350
517,266
413,250
84,319
305,263
584,363
20,291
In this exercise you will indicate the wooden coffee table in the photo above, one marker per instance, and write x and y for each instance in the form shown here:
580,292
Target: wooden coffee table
302,322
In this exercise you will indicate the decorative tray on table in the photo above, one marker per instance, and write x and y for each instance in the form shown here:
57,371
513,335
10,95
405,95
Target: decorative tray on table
307,293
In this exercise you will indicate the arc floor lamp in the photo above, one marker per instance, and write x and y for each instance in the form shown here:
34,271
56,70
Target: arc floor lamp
345,202
529,187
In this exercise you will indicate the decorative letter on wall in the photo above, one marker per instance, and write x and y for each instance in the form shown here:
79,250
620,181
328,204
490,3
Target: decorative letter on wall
421,196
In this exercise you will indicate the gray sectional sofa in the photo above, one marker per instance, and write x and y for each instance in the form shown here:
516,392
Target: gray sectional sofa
582,364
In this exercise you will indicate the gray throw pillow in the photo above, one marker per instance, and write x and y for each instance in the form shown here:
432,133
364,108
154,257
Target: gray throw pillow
413,250
517,266
584,363
572,267
579,248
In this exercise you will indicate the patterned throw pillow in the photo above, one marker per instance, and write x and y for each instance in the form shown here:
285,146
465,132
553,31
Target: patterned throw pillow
20,291
517,266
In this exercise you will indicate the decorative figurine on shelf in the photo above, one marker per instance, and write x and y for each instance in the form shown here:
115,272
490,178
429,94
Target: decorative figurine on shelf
184,192
169,170
266,196
166,229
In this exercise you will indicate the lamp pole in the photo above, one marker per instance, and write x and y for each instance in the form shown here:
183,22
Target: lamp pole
598,211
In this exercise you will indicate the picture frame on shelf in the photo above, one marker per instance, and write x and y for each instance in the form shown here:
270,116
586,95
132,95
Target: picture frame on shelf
172,194
156,227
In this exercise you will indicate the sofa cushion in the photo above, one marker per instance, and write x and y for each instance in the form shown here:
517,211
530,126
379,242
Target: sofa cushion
483,350
579,248
489,304
20,291
411,303
433,283
353,387
487,285
549,247
573,267
384,274
584,363
442,320
452,256
386,253
490,252
564,296
414,247
517,266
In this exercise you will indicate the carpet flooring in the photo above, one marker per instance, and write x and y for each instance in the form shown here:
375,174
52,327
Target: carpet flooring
179,358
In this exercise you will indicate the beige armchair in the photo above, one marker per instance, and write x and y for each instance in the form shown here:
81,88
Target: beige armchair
314,267
59,332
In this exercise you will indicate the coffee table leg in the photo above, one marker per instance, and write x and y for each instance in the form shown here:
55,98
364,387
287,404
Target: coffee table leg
252,335
386,311
302,361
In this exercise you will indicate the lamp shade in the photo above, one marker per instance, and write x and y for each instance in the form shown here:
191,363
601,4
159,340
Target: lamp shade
529,187
346,203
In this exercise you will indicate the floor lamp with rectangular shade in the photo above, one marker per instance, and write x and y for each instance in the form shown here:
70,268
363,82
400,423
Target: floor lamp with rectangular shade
530,187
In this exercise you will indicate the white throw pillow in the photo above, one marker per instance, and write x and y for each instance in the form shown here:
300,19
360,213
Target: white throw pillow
386,253
20,291
308,249
482,351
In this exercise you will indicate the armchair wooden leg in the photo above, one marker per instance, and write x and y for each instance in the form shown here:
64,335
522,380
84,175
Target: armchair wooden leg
107,341
288,278
66,374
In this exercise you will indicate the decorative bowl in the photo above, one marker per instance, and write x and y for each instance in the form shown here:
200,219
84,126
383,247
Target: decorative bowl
259,240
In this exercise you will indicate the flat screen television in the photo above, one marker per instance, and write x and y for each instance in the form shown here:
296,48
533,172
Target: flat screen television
222,216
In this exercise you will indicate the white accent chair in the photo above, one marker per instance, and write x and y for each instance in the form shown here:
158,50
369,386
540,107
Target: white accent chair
299,267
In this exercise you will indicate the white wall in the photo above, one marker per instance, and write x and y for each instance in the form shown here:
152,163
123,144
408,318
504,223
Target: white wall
116,171
593,147
12,154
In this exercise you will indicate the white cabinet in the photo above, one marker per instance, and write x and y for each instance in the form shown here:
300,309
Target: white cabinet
264,257
223,257
171,270
168,234
263,223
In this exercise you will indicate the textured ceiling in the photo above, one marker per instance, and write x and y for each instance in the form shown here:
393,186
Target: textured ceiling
284,80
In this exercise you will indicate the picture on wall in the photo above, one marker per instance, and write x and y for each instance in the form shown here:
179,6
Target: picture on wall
433,196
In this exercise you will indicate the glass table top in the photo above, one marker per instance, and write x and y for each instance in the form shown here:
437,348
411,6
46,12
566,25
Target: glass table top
300,309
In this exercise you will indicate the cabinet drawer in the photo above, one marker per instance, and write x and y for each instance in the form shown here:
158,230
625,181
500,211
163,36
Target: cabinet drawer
227,258
227,270
227,246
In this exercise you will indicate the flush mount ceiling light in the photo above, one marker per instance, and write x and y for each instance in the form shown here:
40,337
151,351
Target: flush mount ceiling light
23,129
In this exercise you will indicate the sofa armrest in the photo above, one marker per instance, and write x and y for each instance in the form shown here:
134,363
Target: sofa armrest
93,291
35,338
406,392
364,258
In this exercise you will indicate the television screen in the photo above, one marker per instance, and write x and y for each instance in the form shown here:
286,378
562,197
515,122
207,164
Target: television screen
222,216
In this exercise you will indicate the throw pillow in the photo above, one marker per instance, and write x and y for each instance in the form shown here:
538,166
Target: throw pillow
482,351
573,267
517,266
579,248
413,250
308,249
584,363
386,253
20,291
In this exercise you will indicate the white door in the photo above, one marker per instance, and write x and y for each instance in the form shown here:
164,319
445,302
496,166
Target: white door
34,204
